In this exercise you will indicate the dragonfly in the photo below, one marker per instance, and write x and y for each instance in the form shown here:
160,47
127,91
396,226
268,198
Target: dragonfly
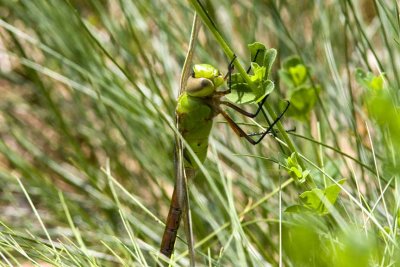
197,106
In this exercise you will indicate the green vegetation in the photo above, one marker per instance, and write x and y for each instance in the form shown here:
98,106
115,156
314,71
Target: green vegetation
87,108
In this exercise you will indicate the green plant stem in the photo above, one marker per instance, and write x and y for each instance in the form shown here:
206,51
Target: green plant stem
230,54
227,50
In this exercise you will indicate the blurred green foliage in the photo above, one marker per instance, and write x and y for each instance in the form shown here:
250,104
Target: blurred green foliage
88,91
302,92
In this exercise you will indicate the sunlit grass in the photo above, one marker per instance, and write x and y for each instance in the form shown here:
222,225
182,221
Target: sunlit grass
88,93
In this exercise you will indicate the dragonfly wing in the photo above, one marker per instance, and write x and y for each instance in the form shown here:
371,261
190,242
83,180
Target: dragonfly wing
177,204
188,222
181,187
189,56
179,171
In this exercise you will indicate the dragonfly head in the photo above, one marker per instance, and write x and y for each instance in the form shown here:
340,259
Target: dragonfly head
204,80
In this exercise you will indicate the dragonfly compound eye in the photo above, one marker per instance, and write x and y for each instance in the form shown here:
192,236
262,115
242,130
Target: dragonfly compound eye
209,72
199,87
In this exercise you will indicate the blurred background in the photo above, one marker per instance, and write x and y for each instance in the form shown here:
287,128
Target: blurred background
87,97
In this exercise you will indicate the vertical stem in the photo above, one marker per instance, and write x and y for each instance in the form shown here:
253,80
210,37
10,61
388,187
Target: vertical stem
227,50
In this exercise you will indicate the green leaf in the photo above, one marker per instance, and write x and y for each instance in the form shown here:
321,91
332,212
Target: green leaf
298,74
383,110
376,82
243,94
265,57
291,62
302,101
258,49
292,160
259,73
266,87
296,209
269,60
293,72
332,191
285,77
295,170
305,173
312,200
369,80
380,104
317,199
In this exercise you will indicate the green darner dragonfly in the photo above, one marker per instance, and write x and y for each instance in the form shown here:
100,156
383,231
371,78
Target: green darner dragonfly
197,106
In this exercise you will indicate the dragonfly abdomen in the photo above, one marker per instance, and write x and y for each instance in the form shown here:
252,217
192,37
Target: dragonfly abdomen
171,226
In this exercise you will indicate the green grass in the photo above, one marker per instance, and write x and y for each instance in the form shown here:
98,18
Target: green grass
88,92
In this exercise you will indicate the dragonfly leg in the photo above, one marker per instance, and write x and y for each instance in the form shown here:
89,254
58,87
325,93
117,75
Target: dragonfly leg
230,70
292,130
236,128
230,67
260,104
253,60
248,114
240,132
269,129
229,76
244,112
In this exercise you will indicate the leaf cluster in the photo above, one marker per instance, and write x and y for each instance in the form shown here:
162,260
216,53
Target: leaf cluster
302,92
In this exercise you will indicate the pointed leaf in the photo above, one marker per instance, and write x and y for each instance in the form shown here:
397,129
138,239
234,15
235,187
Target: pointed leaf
295,172
269,59
258,49
302,101
316,199
369,80
242,93
291,62
332,191
298,74
312,200
296,209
